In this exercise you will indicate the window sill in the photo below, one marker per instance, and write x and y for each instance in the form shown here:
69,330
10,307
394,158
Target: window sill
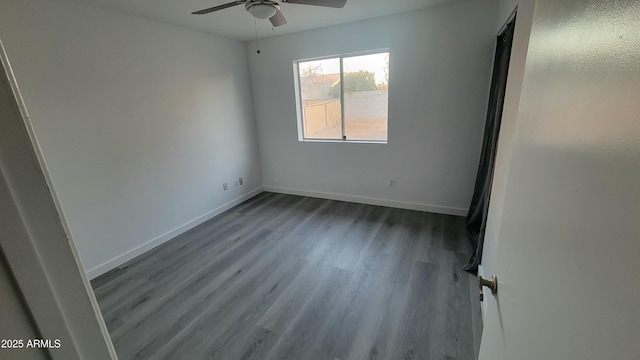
344,141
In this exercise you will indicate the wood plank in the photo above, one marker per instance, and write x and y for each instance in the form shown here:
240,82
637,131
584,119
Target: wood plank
289,277
413,340
455,317
297,340
255,346
196,257
233,316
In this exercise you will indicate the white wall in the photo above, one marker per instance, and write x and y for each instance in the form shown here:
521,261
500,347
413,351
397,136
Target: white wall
140,122
440,68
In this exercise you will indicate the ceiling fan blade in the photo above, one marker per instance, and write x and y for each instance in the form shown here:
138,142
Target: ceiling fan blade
278,19
219,7
326,3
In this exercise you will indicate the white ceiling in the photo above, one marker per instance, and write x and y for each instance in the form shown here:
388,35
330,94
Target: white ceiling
238,24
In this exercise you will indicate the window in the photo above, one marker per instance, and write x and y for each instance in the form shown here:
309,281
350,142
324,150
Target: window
343,97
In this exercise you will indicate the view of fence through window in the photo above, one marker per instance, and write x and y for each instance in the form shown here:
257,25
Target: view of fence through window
364,113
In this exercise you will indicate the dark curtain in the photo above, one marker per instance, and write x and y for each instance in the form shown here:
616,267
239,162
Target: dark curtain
477,216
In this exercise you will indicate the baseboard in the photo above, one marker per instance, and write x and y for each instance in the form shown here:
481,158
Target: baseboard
370,201
121,259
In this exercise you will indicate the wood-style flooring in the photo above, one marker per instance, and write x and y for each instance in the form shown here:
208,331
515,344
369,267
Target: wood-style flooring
289,277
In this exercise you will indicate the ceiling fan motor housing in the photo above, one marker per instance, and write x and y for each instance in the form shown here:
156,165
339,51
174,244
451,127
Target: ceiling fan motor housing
262,9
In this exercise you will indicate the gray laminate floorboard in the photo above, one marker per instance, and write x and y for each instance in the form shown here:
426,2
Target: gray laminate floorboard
289,277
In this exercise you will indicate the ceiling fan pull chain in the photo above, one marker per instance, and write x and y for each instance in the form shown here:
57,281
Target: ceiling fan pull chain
255,24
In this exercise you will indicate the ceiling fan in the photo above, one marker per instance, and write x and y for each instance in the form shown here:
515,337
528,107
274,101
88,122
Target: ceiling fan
268,9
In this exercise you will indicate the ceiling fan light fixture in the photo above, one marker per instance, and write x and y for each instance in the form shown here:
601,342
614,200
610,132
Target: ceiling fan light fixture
262,9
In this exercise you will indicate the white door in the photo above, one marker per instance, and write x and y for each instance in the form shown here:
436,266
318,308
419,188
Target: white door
567,247
41,283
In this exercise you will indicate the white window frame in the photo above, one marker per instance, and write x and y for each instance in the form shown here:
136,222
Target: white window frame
299,107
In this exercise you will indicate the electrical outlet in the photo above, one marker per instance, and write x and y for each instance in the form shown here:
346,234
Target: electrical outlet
240,181
225,187
392,183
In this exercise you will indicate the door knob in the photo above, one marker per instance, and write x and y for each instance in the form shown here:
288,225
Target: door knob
490,283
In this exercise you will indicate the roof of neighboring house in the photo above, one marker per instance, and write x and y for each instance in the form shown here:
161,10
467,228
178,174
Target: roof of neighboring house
317,86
